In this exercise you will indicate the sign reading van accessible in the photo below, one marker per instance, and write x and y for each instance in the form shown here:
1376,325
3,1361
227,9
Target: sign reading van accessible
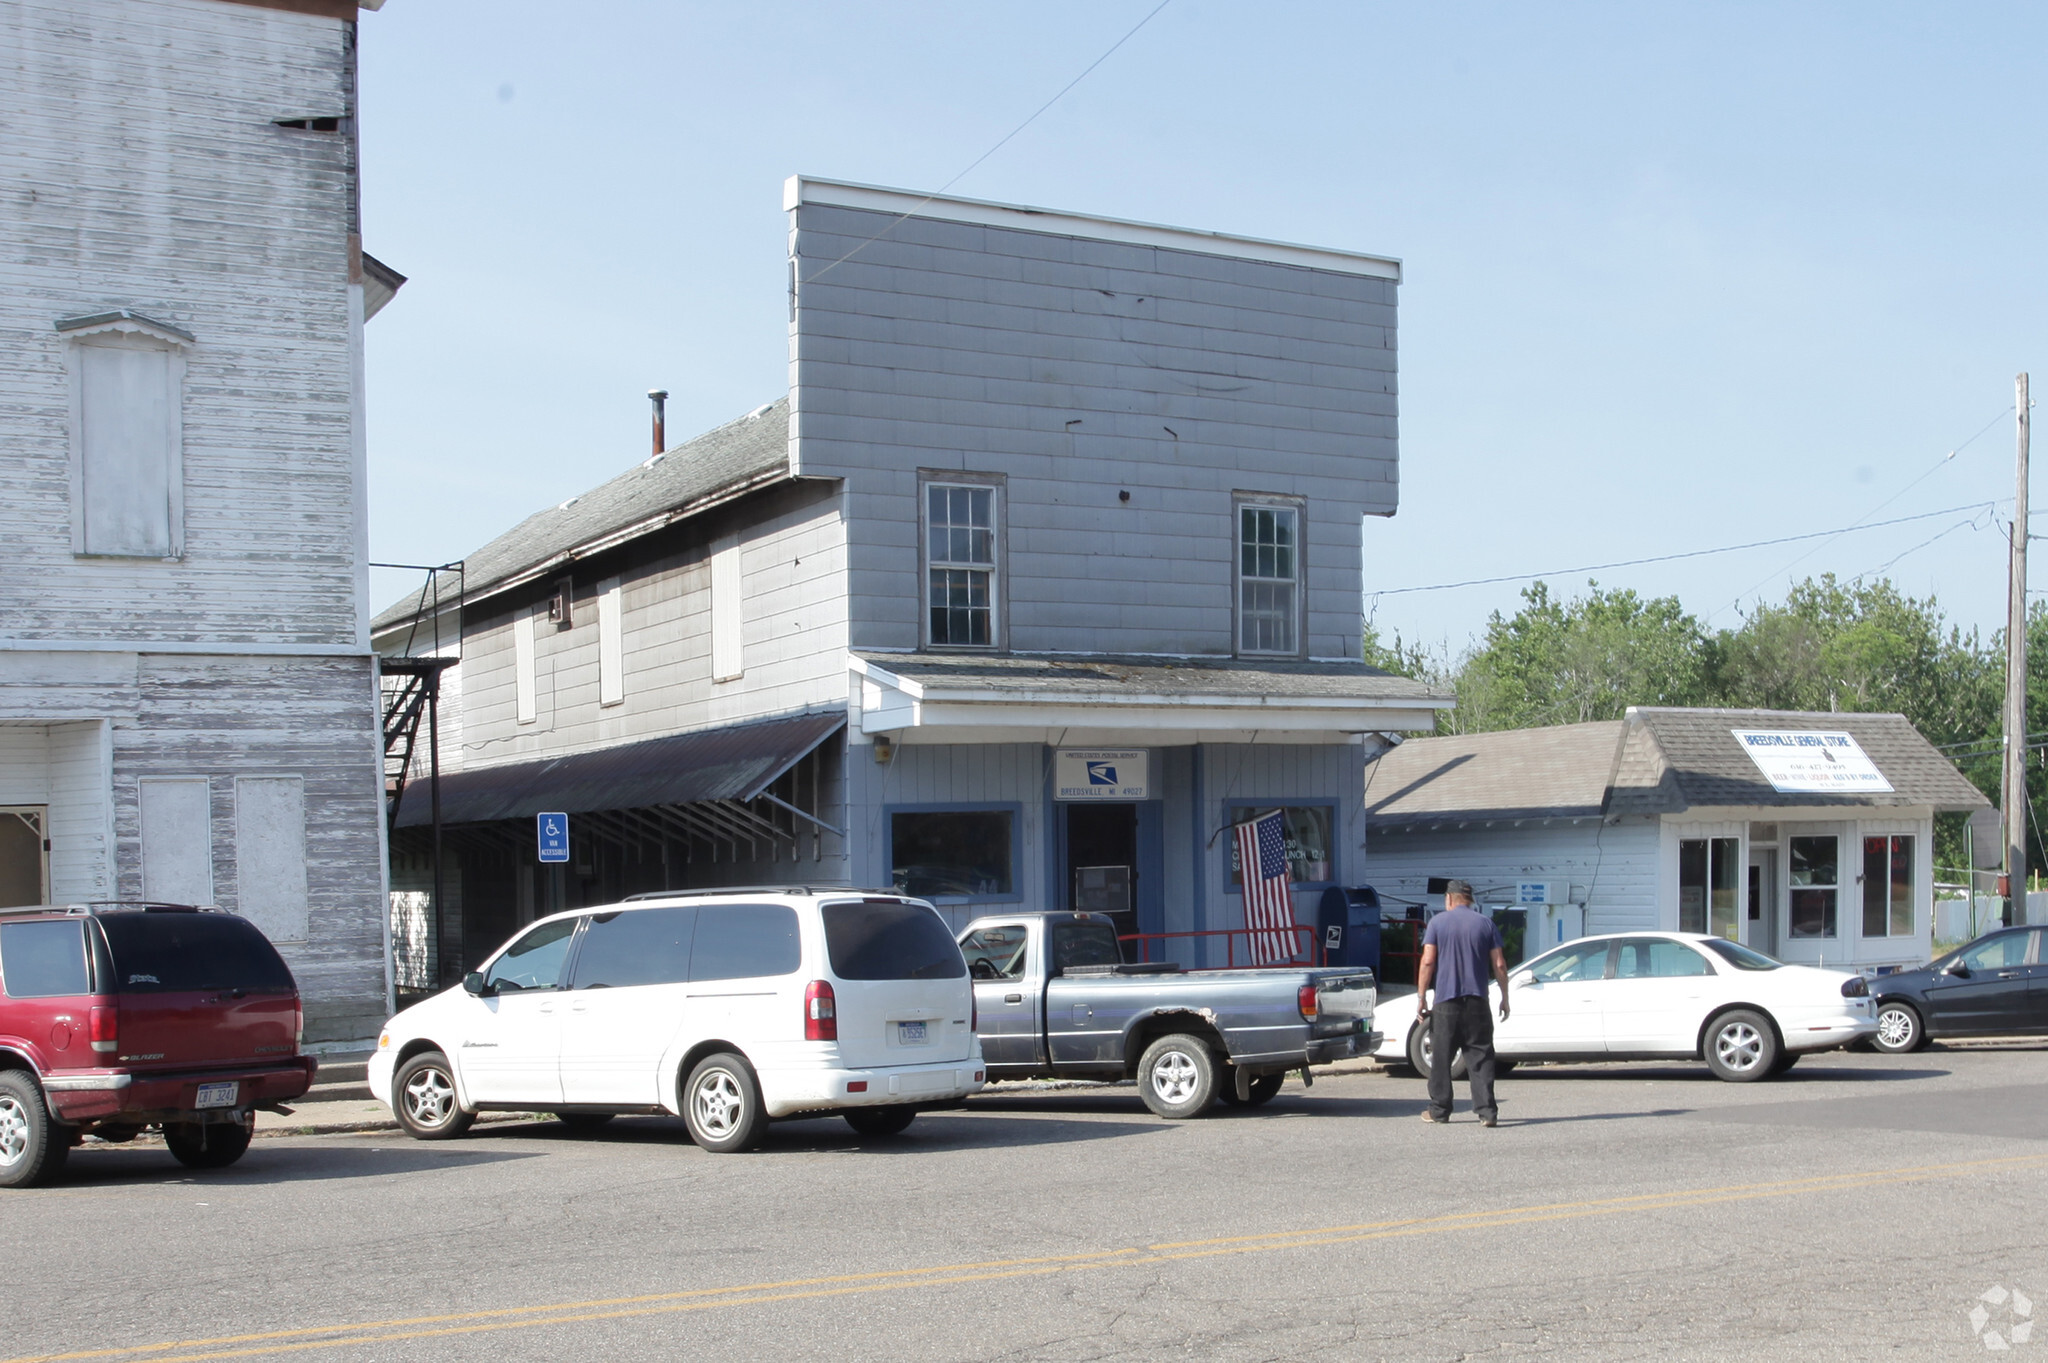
1099,774
1811,763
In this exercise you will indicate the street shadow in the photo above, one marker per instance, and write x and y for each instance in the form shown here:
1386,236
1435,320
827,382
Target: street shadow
943,1128
1507,1121
1697,1073
267,1163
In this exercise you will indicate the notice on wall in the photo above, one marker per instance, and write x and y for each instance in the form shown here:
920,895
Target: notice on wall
1100,774
1811,763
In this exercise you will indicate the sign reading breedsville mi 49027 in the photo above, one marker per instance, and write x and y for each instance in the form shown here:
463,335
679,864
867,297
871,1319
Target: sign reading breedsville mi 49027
1811,762
1100,774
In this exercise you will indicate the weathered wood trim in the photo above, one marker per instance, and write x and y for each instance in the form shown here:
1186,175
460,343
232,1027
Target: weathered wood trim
344,10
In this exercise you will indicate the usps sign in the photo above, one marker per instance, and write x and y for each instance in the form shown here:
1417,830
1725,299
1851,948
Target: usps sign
1100,774
1799,762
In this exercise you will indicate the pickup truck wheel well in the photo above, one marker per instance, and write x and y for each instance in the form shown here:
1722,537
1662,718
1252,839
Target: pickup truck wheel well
1151,1027
15,1060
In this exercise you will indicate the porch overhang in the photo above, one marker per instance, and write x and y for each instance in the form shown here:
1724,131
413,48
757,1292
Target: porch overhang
1139,701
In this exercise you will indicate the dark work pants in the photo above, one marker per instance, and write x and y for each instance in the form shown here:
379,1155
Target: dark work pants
1463,1024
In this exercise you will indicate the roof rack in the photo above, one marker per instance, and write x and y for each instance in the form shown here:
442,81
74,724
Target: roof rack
762,889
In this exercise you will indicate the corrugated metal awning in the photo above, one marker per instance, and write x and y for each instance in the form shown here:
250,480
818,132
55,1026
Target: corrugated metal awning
735,763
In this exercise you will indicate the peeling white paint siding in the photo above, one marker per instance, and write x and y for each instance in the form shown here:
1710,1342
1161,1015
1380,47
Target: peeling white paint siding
141,168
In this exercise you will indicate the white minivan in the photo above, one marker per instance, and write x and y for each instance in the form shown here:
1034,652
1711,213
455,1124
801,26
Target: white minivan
728,1007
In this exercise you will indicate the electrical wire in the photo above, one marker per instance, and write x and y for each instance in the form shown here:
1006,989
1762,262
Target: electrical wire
1000,144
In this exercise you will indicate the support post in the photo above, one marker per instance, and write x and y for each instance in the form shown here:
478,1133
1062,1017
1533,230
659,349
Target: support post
2014,785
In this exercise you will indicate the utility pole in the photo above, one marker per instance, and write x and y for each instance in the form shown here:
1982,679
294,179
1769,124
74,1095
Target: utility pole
2014,785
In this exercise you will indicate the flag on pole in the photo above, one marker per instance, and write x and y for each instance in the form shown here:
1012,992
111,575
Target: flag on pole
1268,907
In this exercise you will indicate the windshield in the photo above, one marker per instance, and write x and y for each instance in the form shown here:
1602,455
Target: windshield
1740,956
169,953
890,941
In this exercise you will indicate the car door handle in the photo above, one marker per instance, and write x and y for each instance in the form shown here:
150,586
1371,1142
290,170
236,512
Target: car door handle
1013,998
2008,974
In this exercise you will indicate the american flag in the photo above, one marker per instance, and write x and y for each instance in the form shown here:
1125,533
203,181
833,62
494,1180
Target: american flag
1268,908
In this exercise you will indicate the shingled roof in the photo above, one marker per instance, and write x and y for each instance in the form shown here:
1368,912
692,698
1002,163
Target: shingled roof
1656,761
715,467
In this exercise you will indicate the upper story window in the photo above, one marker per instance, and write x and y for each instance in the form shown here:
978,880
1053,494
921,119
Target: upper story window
960,565
127,435
1268,579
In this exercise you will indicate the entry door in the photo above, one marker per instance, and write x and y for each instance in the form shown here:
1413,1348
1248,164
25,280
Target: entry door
24,865
1760,914
1102,865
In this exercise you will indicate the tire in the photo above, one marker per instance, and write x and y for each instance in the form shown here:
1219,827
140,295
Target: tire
582,1122
1177,1076
1263,1089
722,1105
1899,1028
1785,1061
208,1145
1420,1046
33,1147
423,1099
1741,1047
893,1120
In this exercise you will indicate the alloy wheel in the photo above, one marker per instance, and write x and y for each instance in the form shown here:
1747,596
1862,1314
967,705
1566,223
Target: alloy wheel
1739,1046
14,1130
716,1102
1174,1077
1894,1028
429,1097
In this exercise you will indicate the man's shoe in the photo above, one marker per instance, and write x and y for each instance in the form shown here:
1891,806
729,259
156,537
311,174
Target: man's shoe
1433,1119
1489,1120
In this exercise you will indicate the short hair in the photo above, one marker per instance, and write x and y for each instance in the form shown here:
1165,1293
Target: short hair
1458,889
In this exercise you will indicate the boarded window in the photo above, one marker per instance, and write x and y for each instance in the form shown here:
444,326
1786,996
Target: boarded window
522,667
177,840
270,855
611,645
728,657
127,477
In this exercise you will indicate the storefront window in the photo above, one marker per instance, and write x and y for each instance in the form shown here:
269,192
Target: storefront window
953,854
1308,843
1888,887
1814,880
1709,890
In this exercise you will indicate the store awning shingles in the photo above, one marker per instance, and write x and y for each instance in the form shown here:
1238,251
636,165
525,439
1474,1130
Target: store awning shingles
735,763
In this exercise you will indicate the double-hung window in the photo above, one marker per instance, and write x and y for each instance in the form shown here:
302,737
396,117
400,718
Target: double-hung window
960,565
1888,886
1268,579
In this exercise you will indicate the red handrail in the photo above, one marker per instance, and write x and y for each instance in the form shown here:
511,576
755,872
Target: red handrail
1309,952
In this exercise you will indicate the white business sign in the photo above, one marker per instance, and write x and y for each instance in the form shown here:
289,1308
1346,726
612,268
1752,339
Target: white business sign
1811,763
1099,774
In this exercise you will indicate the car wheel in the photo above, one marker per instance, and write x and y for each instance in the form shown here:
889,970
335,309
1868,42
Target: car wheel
1177,1076
1741,1046
722,1105
32,1145
423,1099
1899,1029
584,1121
208,1145
1264,1089
893,1120
1422,1052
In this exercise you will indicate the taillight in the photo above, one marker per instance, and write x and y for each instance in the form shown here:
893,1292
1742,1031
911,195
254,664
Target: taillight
1305,1000
821,1012
106,1027
298,1022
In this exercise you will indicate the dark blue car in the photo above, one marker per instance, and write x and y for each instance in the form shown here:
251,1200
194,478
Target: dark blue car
1995,986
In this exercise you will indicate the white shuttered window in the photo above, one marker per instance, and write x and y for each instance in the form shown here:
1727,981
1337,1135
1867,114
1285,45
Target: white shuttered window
522,667
270,855
728,656
611,645
177,840
127,477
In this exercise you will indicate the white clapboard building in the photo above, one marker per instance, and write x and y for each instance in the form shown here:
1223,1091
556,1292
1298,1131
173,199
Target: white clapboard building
187,693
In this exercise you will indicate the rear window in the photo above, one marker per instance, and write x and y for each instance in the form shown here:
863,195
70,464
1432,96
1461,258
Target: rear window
1088,941
890,942
171,953
1740,956
43,960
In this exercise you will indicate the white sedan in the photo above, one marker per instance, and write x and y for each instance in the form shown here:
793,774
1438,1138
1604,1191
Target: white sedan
1659,996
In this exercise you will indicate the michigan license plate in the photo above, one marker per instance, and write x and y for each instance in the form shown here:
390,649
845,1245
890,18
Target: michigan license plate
910,1033
218,1095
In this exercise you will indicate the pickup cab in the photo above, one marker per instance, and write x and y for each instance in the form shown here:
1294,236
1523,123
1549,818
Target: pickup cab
1054,999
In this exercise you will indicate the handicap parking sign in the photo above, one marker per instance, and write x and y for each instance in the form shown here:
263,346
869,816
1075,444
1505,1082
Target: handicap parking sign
554,837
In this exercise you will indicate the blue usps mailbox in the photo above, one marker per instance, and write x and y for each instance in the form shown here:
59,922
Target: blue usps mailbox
554,836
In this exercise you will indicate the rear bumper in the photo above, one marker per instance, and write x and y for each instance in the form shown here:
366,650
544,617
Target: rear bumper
127,1096
1325,1050
787,1092
1826,1033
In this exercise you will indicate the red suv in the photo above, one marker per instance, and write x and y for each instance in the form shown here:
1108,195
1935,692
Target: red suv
117,1018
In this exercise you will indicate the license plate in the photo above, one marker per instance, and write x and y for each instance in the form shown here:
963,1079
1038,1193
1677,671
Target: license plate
218,1095
910,1033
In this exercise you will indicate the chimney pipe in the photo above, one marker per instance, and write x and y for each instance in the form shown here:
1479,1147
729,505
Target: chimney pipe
660,398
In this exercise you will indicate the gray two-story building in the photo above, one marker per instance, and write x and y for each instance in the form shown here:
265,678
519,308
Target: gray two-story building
1046,571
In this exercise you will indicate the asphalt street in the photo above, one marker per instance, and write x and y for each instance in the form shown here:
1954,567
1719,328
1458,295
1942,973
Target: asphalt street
1859,1207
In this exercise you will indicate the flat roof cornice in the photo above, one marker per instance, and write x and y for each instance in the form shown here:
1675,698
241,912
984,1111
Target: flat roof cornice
803,189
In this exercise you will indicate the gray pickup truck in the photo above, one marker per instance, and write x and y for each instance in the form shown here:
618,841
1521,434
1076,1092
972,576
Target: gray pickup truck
1054,1000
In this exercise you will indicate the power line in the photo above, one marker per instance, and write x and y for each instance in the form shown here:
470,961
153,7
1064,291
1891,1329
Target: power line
1000,144
1691,553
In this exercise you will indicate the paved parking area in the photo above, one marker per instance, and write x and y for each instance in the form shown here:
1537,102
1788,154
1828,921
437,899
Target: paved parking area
1861,1206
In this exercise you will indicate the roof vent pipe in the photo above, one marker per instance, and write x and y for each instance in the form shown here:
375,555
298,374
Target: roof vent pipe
659,396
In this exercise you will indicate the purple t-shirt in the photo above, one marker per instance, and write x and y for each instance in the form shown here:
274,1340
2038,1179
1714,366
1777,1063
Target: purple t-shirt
1465,940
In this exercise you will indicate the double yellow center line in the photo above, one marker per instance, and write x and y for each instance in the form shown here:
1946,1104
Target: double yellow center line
898,1280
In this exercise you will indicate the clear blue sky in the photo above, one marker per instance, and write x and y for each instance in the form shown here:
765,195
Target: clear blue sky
1677,276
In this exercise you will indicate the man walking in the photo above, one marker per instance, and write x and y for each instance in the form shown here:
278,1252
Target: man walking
1460,950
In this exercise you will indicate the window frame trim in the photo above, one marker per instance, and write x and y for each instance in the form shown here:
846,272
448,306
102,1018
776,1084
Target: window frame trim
1231,806
1240,499
999,584
1015,808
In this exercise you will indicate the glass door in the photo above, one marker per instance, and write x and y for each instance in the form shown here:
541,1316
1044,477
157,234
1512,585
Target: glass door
1760,918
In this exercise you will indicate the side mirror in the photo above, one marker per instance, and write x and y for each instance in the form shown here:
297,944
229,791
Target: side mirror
1521,979
473,983
1957,969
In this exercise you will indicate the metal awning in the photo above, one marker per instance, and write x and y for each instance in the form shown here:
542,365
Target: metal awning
737,763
